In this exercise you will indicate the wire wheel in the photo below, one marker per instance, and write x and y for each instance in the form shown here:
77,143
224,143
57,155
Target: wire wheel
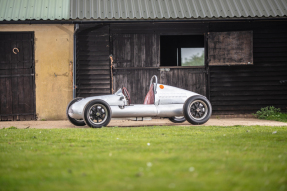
198,109
97,114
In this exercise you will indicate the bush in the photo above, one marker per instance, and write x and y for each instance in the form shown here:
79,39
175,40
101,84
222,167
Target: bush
268,112
12,127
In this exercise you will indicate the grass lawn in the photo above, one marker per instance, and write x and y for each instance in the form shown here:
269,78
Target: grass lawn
144,158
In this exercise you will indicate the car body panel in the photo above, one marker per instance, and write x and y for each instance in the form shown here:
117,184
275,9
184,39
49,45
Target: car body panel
171,95
169,102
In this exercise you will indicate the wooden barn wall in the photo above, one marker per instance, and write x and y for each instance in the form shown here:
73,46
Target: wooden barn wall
136,51
247,88
241,89
92,64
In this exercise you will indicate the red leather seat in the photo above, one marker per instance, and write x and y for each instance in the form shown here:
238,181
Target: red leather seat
149,98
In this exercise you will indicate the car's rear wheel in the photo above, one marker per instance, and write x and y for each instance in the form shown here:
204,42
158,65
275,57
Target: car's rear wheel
197,110
177,119
97,114
72,120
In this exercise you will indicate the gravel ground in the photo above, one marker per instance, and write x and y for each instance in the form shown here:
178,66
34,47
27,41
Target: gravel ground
129,123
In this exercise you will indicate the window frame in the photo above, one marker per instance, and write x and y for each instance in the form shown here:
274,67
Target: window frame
193,34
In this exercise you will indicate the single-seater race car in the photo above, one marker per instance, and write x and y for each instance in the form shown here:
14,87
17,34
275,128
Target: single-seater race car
161,101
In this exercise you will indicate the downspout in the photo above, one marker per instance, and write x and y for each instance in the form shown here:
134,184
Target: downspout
75,58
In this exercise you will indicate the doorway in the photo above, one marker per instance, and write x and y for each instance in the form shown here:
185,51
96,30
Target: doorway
17,82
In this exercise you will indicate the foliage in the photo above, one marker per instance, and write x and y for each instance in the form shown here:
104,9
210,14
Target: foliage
194,60
271,113
144,158
280,117
12,127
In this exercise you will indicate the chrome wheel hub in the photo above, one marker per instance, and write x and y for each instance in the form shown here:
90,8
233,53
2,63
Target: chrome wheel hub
198,110
98,114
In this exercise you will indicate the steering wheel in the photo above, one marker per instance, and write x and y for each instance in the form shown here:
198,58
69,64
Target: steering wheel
126,94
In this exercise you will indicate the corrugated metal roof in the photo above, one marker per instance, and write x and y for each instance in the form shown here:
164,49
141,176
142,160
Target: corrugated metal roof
176,9
34,10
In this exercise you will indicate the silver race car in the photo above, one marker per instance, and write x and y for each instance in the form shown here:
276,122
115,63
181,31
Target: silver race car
161,101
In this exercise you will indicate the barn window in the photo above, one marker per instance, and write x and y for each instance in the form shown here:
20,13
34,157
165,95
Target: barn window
182,50
230,48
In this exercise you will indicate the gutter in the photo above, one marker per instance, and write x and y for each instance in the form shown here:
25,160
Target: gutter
74,61
140,20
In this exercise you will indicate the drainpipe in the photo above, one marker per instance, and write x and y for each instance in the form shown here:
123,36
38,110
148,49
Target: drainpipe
74,57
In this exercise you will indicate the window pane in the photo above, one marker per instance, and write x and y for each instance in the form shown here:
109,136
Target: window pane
192,56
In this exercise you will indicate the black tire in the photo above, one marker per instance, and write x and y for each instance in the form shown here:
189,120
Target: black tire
177,119
197,110
72,120
97,113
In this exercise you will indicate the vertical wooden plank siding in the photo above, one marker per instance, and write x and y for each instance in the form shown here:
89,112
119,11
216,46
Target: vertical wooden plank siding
232,89
136,82
136,50
132,53
17,76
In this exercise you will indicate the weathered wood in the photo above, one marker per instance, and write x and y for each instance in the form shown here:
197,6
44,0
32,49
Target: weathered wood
247,74
244,84
91,52
137,81
251,68
92,65
249,108
17,82
252,84
236,94
230,48
94,90
136,48
137,56
83,77
93,72
242,102
95,81
252,97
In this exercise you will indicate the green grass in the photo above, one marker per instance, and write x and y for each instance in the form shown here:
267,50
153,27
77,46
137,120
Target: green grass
178,158
278,117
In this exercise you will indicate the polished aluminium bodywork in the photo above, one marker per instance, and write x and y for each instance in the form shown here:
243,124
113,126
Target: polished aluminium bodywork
169,102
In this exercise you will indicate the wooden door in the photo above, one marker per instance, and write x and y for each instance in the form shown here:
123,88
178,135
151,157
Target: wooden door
137,59
17,82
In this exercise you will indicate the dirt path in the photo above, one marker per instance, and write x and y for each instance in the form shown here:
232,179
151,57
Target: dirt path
128,123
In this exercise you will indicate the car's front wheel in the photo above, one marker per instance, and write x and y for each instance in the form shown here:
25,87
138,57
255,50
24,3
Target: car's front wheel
177,119
97,114
197,110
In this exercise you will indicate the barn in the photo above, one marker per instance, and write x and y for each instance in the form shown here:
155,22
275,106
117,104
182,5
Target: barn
233,52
